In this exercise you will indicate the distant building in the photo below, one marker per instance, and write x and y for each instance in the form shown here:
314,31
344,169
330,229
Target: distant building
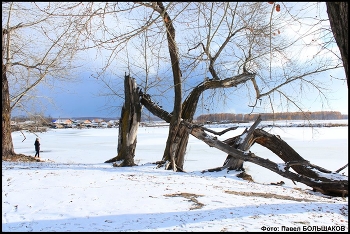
97,121
87,123
113,123
63,123
104,124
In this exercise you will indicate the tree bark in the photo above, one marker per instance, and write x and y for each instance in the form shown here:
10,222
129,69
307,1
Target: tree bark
338,18
7,144
128,125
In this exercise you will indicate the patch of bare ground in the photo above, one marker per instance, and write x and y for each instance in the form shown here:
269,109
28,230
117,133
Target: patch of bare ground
20,158
245,176
269,195
197,205
191,198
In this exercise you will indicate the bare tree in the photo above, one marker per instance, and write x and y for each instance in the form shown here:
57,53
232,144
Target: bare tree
257,46
242,46
37,46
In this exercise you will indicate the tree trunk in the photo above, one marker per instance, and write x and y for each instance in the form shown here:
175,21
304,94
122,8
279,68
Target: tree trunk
338,18
173,141
128,125
7,144
285,152
179,152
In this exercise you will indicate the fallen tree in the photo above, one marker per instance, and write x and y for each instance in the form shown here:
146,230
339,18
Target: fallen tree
320,179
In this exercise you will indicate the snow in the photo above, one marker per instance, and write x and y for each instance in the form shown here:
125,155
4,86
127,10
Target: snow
73,190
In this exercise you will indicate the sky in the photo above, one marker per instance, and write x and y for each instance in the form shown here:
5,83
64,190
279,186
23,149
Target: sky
72,190
85,98
80,100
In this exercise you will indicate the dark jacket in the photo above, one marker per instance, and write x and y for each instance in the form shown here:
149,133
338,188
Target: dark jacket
37,146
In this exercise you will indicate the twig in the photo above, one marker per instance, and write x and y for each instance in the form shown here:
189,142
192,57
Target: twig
341,168
23,135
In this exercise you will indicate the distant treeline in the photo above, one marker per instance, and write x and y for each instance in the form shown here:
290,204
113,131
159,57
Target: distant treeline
220,117
228,117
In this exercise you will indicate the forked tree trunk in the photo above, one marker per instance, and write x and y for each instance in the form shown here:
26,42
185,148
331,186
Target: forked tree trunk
128,125
189,108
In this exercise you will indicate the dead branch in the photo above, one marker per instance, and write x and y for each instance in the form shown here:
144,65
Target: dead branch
340,169
219,133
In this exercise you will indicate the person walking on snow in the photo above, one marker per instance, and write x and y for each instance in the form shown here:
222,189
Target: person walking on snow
37,147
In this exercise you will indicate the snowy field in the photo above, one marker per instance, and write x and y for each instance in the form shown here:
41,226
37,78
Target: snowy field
75,191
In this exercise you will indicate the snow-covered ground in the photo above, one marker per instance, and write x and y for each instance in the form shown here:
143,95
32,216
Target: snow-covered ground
75,191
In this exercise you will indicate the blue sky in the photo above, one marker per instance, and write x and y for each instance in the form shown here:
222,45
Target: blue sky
83,97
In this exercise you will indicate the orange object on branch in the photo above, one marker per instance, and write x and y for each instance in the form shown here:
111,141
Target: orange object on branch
278,8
